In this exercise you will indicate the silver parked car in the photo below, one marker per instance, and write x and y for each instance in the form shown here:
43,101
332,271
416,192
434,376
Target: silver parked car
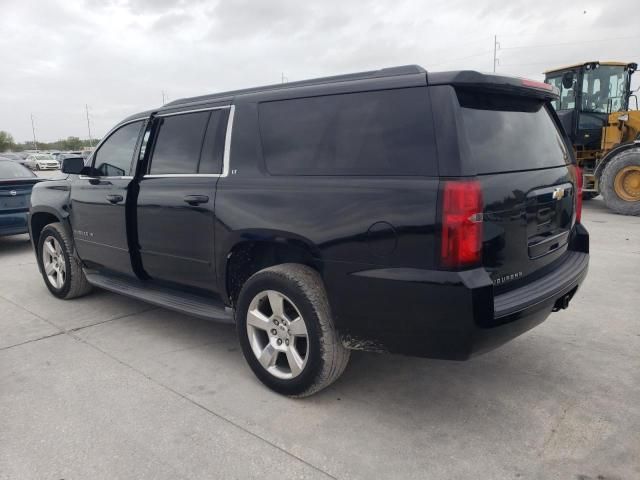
42,161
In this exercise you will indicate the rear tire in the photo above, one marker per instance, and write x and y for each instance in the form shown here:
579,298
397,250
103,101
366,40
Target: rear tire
61,271
620,183
286,331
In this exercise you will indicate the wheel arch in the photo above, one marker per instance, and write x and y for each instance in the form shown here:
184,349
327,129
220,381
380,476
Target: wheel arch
40,218
248,256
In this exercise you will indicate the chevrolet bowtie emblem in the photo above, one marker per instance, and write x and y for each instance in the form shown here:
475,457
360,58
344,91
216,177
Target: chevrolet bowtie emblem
558,193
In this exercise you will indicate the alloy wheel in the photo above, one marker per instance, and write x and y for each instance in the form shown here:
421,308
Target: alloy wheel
53,262
277,334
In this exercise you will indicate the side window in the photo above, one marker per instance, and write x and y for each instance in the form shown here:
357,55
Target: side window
113,158
556,82
387,132
179,143
213,147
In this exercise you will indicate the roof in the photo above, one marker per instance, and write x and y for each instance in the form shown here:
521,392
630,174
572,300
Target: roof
579,65
465,78
228,96
384,72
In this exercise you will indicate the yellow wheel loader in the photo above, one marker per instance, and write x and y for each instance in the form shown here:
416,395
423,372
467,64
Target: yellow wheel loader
594,110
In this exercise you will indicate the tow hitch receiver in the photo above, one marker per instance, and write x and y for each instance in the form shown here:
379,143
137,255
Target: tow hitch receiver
563,302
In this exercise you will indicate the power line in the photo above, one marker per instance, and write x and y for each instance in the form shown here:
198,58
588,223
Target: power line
555,30
486,52
571,43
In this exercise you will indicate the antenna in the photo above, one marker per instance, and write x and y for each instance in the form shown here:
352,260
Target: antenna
165,97
496,47
283,78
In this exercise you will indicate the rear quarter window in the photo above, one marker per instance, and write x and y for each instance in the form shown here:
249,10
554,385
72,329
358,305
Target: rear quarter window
387,132
509,133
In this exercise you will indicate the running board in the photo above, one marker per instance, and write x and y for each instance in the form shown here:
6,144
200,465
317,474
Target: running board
187,303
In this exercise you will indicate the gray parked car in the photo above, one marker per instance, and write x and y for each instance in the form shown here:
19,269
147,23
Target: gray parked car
16,157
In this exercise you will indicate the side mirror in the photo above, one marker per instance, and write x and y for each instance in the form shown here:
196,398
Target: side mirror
72,165
567,79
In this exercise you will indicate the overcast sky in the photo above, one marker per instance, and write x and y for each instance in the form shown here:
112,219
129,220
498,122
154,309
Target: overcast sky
118,56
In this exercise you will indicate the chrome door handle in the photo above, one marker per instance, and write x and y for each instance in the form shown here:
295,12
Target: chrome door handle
115,198
196,199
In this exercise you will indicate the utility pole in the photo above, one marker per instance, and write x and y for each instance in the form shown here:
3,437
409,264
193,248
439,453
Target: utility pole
496,46
164,97
33,129
86,107
283,78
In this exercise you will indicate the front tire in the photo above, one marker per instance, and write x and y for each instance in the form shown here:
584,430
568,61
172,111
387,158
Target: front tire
61,271
620,183
286,331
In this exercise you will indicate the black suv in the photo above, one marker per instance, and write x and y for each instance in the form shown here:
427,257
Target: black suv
429,214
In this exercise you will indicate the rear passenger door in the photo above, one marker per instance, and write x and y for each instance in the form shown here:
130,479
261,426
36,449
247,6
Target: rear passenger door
175,208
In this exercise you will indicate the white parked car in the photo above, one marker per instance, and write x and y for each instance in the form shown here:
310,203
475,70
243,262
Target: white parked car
42,161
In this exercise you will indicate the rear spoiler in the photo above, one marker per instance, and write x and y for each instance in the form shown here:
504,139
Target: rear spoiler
494,83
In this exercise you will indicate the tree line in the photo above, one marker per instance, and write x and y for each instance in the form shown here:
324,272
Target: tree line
7,143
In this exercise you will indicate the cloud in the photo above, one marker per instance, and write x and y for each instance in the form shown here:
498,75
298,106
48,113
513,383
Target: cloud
118,56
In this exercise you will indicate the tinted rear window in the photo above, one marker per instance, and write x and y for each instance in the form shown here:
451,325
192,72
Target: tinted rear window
177,149
386,132
507,133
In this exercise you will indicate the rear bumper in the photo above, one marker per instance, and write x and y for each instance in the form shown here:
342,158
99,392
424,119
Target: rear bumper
450,315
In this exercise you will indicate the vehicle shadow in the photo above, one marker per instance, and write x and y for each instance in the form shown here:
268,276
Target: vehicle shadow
14,244
522,369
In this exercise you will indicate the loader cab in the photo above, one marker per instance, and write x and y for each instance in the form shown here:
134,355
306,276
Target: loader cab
589,92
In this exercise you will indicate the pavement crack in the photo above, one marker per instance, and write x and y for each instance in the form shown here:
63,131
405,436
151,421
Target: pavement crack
119,317
32,313
555,428
200,406
31,341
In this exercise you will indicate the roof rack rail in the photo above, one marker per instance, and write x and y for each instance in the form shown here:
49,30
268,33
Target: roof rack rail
384,72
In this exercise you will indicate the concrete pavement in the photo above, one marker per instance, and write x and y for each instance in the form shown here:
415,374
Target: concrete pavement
108,387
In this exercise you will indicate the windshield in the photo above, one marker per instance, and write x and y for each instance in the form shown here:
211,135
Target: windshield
604,89
43,157
14,170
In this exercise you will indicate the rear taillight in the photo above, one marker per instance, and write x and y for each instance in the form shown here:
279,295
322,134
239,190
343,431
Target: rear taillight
534,84
578,194
461,224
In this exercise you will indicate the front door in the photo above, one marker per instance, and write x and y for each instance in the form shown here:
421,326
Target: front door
175,209
98,202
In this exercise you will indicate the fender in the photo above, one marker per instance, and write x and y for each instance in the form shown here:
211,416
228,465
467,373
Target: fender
50,197
612,153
